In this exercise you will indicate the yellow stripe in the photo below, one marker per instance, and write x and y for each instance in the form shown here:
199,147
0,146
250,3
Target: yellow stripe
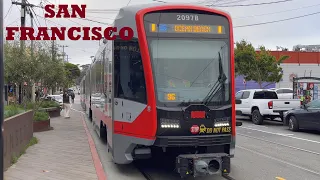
280,178
219,29
153,27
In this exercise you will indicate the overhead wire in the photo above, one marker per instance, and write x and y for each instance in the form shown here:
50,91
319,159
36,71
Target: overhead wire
257,15
237,1
128,2
8,11
238,5
281,20
255,4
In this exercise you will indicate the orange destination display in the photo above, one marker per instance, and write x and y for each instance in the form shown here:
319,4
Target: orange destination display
184,28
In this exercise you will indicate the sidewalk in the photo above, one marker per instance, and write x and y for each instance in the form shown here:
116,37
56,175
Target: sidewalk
61,154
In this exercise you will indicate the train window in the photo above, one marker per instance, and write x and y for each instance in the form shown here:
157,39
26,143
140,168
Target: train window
128,71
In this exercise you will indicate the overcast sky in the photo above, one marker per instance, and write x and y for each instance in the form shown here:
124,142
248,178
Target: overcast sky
304,30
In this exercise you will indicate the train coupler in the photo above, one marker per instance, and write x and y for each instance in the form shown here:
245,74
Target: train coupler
203,164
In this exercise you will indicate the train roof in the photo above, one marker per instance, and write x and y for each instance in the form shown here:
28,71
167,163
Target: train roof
126,15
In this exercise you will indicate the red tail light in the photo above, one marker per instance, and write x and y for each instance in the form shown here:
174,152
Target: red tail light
198,114
270,104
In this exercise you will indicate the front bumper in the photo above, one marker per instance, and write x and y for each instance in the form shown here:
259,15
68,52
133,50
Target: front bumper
193,141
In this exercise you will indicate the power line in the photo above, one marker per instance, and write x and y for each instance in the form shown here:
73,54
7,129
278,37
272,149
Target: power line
238,5
101,17
269,22
237,1
128,2
304,7
8,12
257,4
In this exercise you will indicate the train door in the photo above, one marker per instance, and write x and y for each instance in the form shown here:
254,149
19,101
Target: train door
108,67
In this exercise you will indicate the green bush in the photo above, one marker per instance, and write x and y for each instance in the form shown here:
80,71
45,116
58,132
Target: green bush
43,104
12,110
49,104
40,116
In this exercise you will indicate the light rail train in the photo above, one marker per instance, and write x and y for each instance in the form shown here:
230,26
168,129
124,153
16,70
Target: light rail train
169,90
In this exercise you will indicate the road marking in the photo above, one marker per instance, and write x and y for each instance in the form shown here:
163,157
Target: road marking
285,135
95,156
280,144
282,161
280,178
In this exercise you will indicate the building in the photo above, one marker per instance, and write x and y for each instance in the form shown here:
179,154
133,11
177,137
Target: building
299,64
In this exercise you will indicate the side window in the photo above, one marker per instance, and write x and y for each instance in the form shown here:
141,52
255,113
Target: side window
239,95
245,95
287,91
258,95
280,91
265,95
128,71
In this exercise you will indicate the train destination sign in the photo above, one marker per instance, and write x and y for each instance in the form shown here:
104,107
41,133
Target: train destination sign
187,28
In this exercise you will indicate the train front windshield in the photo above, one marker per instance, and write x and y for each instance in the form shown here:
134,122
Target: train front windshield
187,60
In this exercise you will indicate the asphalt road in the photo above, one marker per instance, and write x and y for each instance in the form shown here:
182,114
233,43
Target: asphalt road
265,152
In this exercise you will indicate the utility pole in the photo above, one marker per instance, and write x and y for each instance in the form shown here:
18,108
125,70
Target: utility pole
2,89
33,88
23,5
68,58
22,43
63,54
53,50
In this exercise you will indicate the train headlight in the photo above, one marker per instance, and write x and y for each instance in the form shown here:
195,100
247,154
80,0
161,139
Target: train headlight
169,123
221,124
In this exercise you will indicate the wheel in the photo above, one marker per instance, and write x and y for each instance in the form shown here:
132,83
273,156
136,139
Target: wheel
103,132
256,117
293,123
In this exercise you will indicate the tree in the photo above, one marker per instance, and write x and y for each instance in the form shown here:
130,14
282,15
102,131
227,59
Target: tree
83,72
41,67
72,72
257,66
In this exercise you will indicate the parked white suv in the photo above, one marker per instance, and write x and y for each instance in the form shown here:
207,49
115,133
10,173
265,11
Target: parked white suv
284,93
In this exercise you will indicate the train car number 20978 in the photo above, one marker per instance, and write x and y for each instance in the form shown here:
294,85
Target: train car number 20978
187,17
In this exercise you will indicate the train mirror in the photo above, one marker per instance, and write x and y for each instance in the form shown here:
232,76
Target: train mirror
238,101
238,123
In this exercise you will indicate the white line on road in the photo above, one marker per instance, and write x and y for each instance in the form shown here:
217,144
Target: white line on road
285,135
285,162
280,144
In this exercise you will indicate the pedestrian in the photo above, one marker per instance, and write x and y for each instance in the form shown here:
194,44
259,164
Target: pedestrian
72,97
66,103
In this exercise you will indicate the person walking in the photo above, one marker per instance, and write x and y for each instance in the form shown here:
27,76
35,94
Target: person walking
66,103
72,97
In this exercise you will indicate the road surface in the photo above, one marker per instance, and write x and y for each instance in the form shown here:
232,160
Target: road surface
265,152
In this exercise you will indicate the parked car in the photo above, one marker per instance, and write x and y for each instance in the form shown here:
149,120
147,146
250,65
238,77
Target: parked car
260,104
284,93
57,98
304,117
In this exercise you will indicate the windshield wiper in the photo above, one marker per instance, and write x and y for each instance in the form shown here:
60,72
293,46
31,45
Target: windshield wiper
221,79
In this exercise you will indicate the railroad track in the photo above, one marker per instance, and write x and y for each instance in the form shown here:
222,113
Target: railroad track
149,176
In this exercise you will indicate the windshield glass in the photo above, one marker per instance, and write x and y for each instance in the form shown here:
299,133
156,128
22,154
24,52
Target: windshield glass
186,70
57,97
